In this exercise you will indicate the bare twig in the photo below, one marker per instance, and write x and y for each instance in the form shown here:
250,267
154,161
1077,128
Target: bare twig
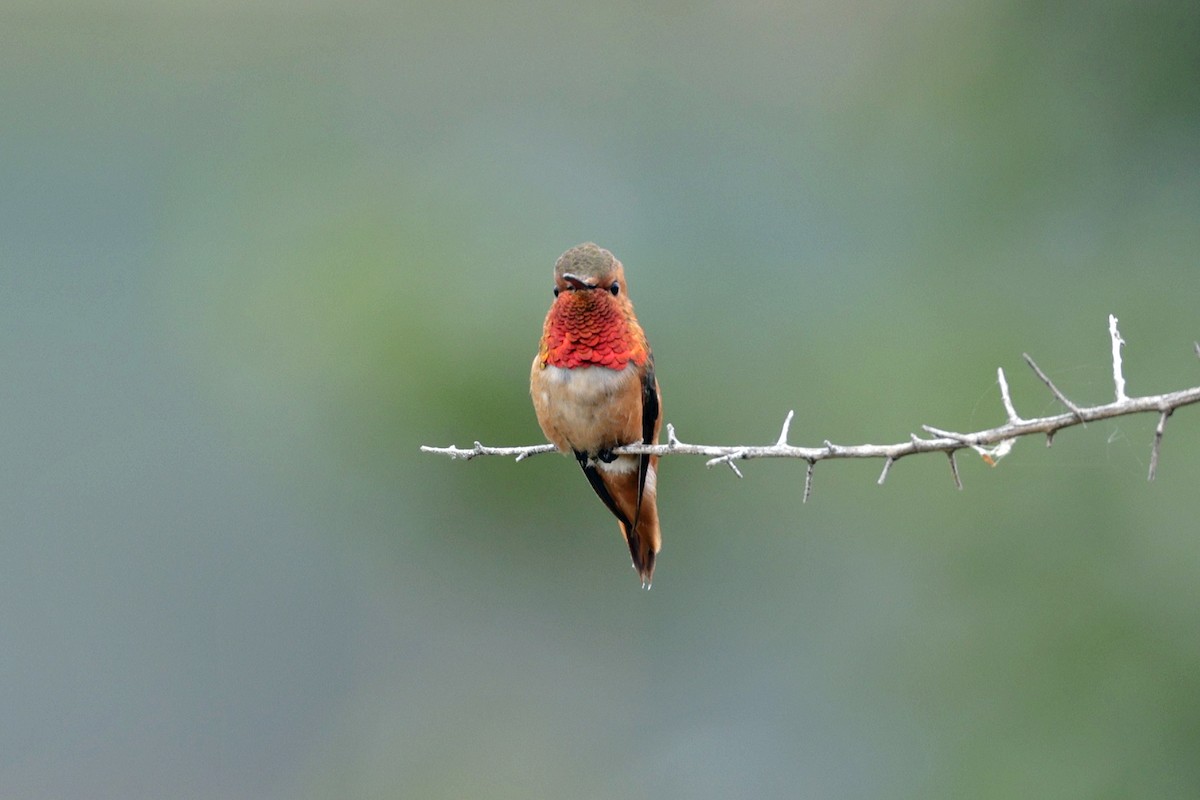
521,452
1062,398
992,444
727,459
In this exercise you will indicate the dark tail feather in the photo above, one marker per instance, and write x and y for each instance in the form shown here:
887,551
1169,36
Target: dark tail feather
641,536
643,557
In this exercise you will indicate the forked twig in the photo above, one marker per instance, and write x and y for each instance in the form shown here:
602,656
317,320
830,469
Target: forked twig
991,444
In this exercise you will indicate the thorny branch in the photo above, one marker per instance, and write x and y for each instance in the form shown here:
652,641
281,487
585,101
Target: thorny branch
991,444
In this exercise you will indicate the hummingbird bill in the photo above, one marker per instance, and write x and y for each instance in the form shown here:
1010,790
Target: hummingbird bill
594,390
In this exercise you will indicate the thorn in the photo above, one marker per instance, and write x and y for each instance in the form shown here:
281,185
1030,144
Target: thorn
1158,437
1006,398
887,465
1050,438
808,479
1118,375
954,470
671,438
783,434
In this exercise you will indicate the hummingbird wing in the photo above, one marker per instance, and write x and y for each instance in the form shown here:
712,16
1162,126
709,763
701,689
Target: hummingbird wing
650,412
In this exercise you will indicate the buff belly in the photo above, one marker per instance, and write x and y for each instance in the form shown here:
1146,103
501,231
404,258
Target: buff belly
589,409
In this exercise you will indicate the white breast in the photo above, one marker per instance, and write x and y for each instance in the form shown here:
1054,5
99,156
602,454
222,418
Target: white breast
590,384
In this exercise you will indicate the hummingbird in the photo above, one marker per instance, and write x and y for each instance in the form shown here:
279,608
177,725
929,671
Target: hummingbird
594,389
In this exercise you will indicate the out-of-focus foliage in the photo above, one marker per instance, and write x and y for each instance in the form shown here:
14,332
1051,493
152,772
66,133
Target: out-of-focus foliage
252,255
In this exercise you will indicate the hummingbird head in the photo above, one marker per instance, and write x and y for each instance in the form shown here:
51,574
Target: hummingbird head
591,321
587,268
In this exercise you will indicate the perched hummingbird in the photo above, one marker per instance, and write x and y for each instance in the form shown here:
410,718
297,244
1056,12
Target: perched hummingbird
594,389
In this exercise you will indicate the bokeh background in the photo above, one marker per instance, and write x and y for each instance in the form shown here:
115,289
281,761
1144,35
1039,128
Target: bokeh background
253,255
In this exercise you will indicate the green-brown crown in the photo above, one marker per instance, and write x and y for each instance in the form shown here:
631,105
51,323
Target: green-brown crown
587,261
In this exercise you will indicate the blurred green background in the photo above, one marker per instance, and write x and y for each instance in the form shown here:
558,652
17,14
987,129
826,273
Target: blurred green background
252,255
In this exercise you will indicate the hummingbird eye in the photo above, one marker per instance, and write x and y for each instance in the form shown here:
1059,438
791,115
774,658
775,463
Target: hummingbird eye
615,288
